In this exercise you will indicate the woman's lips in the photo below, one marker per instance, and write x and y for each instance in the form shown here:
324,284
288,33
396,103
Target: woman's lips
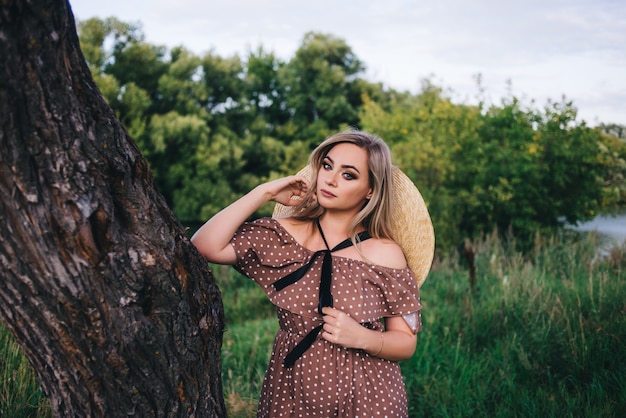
326,193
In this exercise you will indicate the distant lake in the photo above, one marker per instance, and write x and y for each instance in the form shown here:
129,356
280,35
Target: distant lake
612,227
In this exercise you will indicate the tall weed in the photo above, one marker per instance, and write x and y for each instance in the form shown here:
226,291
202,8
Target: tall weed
20,395
541,335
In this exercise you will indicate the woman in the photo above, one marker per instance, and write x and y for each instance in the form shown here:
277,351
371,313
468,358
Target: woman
334,272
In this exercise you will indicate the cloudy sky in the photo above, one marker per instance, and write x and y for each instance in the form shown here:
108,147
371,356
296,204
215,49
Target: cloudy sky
547,49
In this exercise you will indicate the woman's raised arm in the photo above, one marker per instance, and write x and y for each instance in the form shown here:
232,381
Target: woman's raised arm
213,238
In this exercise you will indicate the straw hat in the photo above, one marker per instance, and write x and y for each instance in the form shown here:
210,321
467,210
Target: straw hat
410,222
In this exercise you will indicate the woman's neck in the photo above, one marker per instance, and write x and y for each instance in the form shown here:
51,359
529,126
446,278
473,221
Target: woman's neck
336,228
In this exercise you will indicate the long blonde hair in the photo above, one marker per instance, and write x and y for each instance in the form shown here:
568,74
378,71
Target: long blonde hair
375,216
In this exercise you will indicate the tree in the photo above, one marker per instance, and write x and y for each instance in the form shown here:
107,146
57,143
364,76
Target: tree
114,308
425,132
264,89
531,171
613,158
505,168
321,85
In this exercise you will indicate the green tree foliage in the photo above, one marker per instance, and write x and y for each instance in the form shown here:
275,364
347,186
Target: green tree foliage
505,168
613,158
531,171
429,136
179,89
266,93
213,127
320,81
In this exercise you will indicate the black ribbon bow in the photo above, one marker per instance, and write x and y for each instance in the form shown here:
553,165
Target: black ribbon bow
325,295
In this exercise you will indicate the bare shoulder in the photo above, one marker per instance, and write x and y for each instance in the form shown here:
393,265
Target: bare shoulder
300,230
384,252
291,224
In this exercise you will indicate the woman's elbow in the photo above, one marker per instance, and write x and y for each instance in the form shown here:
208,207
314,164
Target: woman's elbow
409,349
225,255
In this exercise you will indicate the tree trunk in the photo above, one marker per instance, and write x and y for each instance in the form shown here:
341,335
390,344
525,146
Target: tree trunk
115,309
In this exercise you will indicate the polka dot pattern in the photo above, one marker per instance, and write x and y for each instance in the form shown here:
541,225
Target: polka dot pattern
328,380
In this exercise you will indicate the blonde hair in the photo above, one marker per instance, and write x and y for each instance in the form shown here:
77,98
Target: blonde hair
375,216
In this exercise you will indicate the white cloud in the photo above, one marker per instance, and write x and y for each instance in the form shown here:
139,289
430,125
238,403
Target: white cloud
547,48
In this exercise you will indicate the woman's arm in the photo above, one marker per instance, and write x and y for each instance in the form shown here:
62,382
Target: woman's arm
213,238
397,342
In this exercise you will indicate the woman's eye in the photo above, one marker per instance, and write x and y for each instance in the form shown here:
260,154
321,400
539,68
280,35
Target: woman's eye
349,176
326,166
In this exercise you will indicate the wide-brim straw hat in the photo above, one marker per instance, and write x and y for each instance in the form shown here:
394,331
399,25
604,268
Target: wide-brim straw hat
410,222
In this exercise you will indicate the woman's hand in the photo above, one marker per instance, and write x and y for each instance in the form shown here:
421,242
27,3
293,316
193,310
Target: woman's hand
397,342
342,329
213,238
287,190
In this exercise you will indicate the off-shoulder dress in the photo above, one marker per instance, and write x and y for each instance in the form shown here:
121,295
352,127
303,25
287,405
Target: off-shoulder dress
327,380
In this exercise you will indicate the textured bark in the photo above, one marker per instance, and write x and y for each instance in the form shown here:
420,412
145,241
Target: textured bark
115,309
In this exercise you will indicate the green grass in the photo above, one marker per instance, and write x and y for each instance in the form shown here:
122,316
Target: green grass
540,336
543,336
20,395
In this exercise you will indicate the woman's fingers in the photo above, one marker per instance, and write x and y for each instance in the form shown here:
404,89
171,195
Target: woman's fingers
289,190
340,328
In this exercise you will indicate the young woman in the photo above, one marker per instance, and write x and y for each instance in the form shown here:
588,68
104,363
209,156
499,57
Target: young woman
348,305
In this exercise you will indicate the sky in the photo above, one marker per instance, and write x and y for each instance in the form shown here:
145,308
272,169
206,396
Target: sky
535,50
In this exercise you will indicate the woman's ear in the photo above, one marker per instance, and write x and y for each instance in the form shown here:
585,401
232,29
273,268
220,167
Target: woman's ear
368,196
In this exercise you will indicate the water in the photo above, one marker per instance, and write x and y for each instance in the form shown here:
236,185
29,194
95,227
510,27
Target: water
612,227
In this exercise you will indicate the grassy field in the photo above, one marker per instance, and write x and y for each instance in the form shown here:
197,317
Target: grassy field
539,336
20,395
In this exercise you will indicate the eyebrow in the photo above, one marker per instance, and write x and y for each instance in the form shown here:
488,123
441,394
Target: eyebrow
345,165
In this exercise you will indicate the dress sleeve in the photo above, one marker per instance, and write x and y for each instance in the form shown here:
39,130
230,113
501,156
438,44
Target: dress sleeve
383,292
262,250
265,252
403,298
411,298
401,295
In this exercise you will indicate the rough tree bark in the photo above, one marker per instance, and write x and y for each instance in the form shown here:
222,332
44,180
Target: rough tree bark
115,309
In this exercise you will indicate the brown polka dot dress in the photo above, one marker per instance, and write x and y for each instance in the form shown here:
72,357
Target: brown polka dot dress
327,380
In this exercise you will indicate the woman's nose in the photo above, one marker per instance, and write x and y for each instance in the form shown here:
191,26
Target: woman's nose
331,180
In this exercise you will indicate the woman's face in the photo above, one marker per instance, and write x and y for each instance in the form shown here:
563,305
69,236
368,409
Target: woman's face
343,179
